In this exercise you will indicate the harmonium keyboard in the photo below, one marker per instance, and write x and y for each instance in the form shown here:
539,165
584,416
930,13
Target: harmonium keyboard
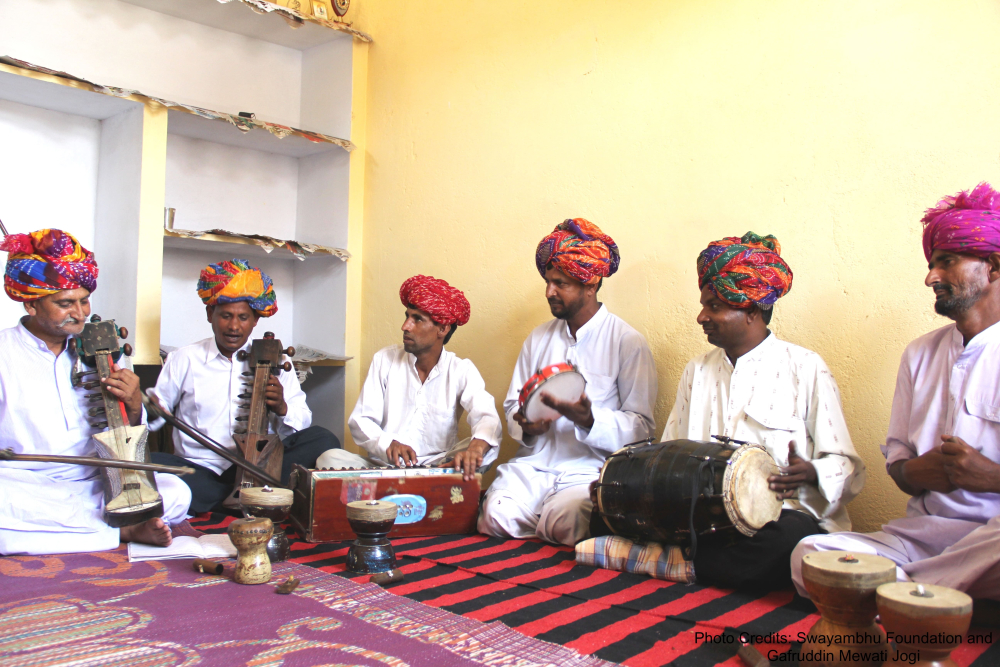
432,501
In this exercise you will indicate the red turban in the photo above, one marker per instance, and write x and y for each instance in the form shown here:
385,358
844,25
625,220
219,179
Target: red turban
444,303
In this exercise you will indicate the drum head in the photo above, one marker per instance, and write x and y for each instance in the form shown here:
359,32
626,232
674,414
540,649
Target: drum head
903,597
749,502
565,386
847,569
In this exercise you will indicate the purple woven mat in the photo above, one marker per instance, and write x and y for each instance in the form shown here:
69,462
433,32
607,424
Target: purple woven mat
99,609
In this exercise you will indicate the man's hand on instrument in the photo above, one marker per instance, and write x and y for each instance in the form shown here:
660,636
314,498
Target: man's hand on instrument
795,474
274,396
579,412
123,384
967,468
923,473
467,461
532,428
401,455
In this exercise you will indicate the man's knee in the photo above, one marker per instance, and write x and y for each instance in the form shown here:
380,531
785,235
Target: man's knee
502,516
341,459
565,517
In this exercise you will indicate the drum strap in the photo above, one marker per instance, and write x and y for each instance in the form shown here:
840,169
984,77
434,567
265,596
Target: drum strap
696,488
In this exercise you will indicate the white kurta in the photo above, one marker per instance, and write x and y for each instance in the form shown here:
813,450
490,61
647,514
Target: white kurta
621,385
200,386
951,539
395,405
776,394
53,507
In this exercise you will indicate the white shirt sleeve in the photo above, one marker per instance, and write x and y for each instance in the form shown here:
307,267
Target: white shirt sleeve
613,429
168,389
298,416
482,411
366,418
680,415
897,446
522,371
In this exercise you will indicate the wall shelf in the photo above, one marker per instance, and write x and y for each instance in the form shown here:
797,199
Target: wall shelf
241,247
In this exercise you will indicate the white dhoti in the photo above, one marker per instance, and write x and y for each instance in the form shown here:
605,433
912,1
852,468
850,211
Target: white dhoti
526,502
959,554
42,515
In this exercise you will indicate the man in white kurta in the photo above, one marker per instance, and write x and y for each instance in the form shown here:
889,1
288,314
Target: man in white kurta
413,398
202,383
48,508
544,490
943,442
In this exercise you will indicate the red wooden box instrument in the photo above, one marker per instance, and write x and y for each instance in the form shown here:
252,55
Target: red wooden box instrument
130,496
431,501
258,446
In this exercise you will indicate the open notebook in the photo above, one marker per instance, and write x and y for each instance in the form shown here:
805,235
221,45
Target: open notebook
206,546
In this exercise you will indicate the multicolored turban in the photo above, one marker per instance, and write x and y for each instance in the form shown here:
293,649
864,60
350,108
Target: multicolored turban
444,303
967,223
236,280
746,271
46,262
578,248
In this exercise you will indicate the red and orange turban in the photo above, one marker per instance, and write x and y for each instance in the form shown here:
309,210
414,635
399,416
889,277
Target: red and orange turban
578,248
967,223
235,280
746,271
46,262
444,303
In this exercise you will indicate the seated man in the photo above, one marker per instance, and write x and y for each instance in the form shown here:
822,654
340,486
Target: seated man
410,404
756,388
50,508
200,384
943,444
544,490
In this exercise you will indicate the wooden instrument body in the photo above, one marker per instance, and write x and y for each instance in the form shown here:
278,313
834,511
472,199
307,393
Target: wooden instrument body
445,503
130,496
256,444
250,537
947,613
846,602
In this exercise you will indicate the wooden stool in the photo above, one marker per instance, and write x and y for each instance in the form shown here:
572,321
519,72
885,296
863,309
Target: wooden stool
842,586
273,504
915,615
250,537
371,521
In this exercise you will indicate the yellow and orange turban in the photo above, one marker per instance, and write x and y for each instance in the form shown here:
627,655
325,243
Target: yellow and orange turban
578,248
235,280
46,262
444,303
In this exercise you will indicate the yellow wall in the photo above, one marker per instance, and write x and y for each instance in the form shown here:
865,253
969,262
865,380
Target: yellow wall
831,124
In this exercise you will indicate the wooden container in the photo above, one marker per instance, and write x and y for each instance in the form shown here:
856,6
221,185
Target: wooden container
250,537
924,622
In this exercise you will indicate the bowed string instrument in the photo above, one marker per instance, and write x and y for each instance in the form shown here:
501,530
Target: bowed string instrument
259,447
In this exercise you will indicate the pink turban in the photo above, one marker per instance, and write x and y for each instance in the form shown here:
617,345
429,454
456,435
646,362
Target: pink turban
967,223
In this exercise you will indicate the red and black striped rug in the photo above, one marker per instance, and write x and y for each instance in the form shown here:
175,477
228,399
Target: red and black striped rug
539,590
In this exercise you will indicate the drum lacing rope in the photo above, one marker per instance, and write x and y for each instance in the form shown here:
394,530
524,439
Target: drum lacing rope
695,494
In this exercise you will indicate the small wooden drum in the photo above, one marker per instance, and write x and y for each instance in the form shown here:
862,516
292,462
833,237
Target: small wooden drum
647,492
842,586
371,521
273,504
561,381
250,537
924,623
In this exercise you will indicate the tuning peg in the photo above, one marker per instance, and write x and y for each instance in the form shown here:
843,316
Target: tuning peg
268,335
287,366
95,318
240,431
122,333
99,424
94,397
127,350
90,385
290,351
243,406
93,412
247,374
242,355
242,418
244,395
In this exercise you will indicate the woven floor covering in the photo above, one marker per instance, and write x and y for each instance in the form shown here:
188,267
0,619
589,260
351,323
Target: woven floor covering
100,610
540,591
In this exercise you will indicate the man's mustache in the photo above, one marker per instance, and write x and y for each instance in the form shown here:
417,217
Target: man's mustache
68,321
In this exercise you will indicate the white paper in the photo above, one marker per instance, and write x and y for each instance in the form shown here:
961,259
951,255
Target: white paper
206,546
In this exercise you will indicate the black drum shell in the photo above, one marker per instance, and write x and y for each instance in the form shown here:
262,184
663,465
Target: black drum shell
645,491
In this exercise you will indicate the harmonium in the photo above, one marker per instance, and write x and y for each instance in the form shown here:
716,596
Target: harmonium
432,501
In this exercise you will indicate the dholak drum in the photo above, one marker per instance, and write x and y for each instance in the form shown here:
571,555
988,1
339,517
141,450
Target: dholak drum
561,381
842,586
924,622
662,492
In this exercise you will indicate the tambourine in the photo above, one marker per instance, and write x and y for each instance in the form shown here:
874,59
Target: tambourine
560,381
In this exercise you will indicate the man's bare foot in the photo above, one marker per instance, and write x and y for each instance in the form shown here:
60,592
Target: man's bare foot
152,531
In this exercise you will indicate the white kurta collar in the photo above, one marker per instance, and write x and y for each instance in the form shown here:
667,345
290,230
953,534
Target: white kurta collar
990,334
31,340
212,350
437,370
593,324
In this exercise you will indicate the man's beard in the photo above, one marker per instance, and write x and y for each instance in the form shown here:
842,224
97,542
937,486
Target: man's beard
566,310
959,299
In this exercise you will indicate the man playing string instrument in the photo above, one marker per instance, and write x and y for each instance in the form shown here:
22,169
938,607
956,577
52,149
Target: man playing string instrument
756,388
57,507
409,407
200,384
943,444
544,490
